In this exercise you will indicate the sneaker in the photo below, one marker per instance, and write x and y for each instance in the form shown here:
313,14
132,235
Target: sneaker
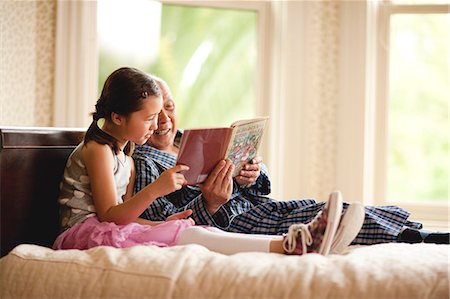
316,236
349,227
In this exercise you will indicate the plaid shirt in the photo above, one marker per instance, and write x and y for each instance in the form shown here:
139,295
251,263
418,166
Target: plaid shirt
249,210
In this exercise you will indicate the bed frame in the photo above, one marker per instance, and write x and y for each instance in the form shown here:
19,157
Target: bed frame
32,162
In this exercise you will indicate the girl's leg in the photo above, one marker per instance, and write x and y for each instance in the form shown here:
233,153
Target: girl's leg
316,236
217,230
229,243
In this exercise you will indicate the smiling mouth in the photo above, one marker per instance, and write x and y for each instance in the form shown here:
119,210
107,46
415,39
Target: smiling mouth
162,132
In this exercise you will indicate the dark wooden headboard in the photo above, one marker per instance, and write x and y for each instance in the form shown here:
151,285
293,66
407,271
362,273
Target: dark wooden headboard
32,162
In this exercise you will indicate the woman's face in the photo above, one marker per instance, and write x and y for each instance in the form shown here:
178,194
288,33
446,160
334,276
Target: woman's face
164,136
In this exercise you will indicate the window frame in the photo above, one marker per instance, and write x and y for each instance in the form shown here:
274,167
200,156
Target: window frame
262,8
431,214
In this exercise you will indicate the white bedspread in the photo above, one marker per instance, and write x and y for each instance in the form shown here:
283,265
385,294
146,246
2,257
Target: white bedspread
377,271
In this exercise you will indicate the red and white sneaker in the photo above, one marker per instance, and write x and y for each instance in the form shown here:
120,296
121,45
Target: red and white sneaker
349,227
318,235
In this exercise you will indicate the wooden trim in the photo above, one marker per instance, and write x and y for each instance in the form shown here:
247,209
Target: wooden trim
417,9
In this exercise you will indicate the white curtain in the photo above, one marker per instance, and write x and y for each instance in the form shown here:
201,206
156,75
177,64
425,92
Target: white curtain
76,65
304,99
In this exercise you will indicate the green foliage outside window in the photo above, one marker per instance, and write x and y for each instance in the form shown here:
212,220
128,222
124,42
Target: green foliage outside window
419,108
208,58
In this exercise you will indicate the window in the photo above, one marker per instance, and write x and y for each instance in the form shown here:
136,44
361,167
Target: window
207,55
413,107
418,108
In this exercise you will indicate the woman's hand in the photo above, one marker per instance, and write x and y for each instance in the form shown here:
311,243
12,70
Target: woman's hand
217,188
250,173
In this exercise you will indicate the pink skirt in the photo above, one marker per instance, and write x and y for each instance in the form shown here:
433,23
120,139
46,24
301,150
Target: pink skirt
93,233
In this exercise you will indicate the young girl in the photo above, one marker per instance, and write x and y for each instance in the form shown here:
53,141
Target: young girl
98,206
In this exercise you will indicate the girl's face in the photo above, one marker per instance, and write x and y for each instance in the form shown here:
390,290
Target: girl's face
141,124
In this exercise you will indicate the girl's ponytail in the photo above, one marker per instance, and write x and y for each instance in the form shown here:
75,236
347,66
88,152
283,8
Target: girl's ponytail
95,132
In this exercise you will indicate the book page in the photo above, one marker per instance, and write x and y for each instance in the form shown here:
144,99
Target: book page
245,142
247,121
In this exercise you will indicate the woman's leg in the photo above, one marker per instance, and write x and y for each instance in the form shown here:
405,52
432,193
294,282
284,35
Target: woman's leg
411,235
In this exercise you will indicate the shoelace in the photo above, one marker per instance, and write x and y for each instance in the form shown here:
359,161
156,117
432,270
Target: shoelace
290,242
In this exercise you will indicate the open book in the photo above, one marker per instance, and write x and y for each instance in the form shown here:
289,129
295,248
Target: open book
202,149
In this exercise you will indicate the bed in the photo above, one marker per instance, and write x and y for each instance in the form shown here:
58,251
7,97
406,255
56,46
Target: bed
31,164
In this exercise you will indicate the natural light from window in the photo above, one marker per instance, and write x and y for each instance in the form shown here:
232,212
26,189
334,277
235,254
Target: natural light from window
206,55
419,92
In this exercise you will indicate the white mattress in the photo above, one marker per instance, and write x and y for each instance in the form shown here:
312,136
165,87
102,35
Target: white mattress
377,271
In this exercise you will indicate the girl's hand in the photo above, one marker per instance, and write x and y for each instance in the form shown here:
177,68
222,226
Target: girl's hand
180,215
250,173
170,180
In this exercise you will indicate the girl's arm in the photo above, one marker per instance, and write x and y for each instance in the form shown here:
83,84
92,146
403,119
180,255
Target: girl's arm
100,164
176,216
132,181
130,191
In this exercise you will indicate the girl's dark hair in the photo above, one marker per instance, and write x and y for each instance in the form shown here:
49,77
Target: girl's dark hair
124,92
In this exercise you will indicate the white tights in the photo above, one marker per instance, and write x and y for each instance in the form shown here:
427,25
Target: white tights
224,242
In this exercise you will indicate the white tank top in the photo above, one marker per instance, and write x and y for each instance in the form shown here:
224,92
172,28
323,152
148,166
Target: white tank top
75,195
